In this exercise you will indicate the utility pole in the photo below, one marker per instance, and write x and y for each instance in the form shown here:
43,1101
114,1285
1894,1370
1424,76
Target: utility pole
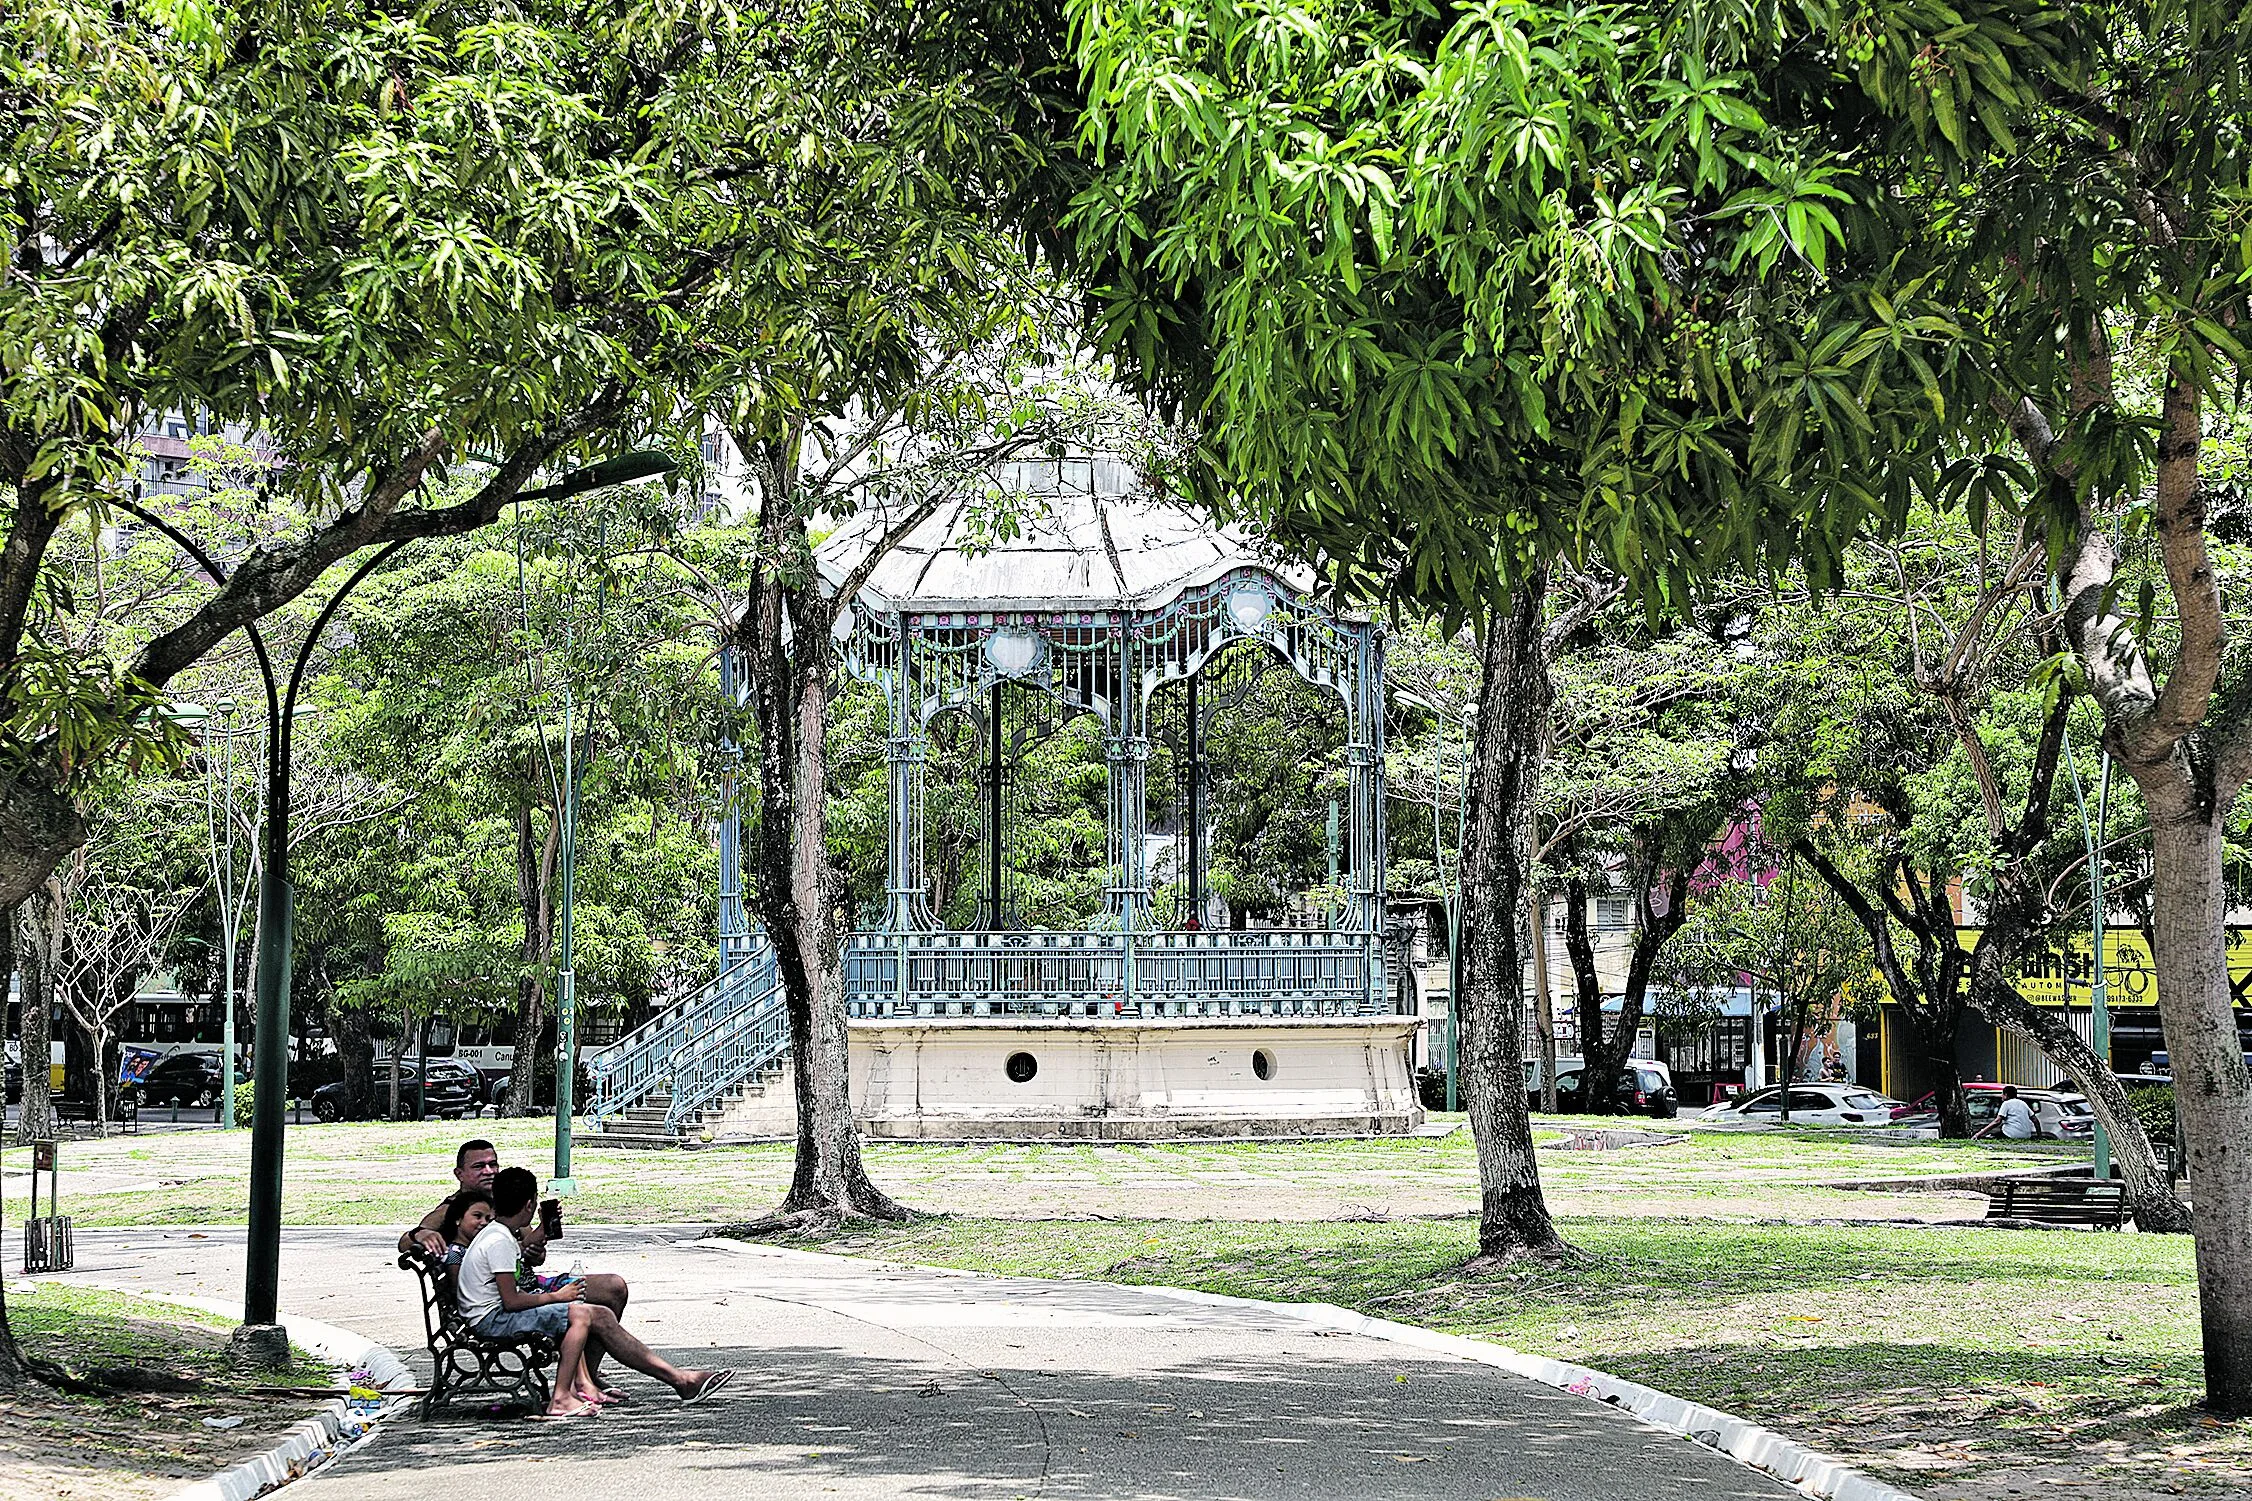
2099,999
562,1184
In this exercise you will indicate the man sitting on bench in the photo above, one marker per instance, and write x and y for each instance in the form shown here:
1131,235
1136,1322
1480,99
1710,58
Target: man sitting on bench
476,1163
496,1308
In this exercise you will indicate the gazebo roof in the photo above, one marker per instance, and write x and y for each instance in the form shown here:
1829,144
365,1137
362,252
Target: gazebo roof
1091,538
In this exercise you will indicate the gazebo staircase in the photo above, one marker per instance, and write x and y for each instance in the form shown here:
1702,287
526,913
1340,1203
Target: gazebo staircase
717,1060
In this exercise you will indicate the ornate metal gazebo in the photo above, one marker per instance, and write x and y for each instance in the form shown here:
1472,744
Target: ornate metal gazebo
1104,594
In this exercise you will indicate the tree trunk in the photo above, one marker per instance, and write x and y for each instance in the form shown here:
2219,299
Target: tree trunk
2211,1087
535,891
839,1179
1930,1015
1793,1063
788,664
99,1036
2189,749
1604,1053
1514,694
1597,1096
398,1055
40,926
39,825
355,1050
12,1372
1544,1007
1935,1045
11,1359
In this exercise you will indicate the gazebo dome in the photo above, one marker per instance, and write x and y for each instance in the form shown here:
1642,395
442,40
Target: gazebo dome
1090,537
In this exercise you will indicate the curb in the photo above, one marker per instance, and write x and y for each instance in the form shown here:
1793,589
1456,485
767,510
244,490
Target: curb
340,1424
306,1447
1749,1444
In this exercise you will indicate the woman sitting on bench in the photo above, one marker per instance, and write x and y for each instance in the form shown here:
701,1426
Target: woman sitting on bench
494,1308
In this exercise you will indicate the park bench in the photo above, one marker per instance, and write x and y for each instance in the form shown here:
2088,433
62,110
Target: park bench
2059,1201
466,1372
78,1114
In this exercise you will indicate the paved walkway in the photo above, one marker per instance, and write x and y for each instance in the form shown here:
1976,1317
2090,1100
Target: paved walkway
866,1380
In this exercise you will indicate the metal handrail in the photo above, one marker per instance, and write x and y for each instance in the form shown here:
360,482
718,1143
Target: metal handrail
735,1050
642,1061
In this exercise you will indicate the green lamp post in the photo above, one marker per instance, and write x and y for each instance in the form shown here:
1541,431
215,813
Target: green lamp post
623,470
261,1336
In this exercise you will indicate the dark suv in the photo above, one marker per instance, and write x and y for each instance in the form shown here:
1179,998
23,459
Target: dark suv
449,1088
1644,1089
194,1079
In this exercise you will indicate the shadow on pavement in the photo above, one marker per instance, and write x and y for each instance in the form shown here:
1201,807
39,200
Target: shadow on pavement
814,1422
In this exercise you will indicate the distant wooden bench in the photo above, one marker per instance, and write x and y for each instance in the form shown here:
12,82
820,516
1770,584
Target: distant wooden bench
2059,1201
124,1112
466,1371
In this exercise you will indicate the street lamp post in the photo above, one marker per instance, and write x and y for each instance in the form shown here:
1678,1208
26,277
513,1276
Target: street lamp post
1450,891
624,469
2099,999
261,1336
220,823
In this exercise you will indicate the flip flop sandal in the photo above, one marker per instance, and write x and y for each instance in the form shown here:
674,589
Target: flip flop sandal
712,1383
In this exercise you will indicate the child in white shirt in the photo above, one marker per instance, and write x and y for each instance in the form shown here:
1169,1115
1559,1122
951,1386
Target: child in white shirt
495,1306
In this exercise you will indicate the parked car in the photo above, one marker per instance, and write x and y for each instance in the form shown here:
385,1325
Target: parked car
448,1089
1645,1086
193,1079
1813,1104
15,1081
2074,1120
2060,1115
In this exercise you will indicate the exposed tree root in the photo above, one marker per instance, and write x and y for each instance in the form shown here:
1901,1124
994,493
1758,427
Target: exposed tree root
1549,1253
814,1219
34,1374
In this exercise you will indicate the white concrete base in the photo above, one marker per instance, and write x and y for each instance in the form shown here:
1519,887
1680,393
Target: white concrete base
1112,1080
1118,1080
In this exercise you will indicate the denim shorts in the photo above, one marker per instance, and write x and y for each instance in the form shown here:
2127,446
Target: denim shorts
550,1319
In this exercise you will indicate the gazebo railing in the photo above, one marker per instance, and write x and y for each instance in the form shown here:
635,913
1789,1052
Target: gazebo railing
1264,972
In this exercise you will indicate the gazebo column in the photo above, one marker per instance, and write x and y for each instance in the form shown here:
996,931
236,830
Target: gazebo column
905,750
1364,754
1195,812
1127,754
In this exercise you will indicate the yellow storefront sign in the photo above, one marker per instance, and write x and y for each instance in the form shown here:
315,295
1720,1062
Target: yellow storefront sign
2057,979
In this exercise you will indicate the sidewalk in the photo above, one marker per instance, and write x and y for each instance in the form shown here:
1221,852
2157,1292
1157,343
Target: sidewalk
866,1380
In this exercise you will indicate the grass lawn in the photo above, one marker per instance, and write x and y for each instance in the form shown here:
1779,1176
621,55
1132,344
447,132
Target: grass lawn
150,1440
1957,1363
1960,1363
384,1174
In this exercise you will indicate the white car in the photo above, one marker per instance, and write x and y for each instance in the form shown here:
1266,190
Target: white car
1815,1105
